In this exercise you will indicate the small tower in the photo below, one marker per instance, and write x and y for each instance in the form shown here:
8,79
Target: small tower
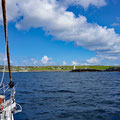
73,67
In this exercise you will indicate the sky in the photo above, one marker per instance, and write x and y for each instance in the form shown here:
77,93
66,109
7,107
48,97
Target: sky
62,32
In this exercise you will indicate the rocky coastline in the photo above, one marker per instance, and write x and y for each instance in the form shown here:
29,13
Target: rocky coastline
112,69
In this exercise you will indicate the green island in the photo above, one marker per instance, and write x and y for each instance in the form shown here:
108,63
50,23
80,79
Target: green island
59,68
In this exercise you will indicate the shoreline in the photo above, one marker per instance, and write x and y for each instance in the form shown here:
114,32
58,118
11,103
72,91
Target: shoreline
39,71
55,71
65,69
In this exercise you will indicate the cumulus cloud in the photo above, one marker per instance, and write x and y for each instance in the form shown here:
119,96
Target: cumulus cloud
13,12
74,63
109,57
45,60
100,59
85,3
94,61
54,18
63,25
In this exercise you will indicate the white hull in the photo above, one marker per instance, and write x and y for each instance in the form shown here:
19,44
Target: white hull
8,110
9,118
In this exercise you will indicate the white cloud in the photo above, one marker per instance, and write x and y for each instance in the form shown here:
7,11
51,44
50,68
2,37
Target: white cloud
94,61
13,12
30,62
100,59
18,8
64,63
45,60
85,3
34,61
63,25
74,63
109,57
103,59
115,24
54,18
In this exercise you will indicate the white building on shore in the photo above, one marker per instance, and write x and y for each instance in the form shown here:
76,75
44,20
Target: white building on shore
74,63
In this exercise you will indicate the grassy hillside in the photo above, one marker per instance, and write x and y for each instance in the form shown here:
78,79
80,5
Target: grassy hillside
53,68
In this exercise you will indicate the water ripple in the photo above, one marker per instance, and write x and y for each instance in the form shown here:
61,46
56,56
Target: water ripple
68,96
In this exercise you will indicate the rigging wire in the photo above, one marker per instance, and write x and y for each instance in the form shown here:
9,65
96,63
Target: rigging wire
3,75
6,36
4,68
11,84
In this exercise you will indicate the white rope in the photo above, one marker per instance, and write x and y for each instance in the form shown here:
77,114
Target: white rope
4,87
3,72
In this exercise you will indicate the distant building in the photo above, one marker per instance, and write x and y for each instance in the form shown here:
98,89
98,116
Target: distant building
22,68
73,67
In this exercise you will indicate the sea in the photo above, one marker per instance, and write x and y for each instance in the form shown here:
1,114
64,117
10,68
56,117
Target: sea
67,95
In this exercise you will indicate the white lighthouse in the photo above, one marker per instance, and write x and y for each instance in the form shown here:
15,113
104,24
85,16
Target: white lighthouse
73,67
74,63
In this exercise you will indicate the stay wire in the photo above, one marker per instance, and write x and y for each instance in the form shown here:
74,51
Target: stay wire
6,36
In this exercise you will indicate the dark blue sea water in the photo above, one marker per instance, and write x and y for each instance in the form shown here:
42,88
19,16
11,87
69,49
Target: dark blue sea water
68,96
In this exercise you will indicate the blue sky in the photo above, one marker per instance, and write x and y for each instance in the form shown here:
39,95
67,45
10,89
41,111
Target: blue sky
62,32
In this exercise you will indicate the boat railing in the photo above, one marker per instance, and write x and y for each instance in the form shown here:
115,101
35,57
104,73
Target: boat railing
20,108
